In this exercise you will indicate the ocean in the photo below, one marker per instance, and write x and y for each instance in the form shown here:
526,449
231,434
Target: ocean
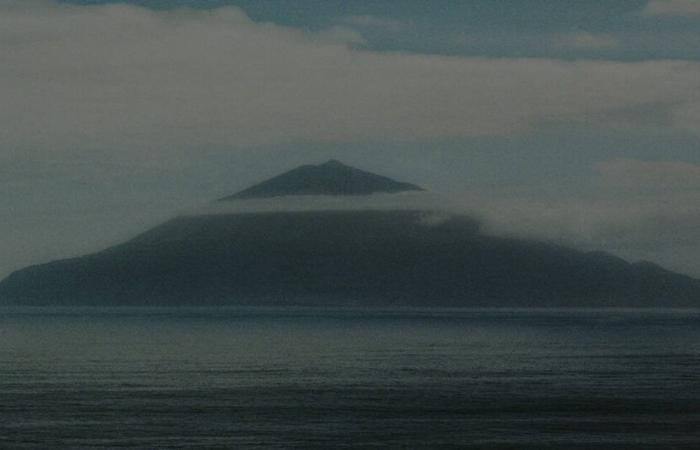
348,378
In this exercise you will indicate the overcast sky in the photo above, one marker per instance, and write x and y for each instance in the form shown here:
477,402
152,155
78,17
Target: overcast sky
573,121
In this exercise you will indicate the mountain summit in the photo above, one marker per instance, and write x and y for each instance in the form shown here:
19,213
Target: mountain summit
330,178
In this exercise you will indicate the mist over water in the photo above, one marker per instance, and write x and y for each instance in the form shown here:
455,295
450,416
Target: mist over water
312,378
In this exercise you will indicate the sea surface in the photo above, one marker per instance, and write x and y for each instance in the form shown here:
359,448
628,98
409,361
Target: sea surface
349,378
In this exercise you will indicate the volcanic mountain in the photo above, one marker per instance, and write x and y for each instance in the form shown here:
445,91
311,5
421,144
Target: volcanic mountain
317,236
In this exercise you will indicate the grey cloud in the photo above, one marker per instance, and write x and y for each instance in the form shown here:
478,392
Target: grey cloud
648,176
126,77
677,8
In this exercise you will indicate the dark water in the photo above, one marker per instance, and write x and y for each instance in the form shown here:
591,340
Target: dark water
346,378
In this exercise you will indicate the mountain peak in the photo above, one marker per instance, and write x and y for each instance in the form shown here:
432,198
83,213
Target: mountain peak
329,178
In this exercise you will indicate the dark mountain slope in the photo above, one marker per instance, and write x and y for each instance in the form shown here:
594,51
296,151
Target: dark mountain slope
343,258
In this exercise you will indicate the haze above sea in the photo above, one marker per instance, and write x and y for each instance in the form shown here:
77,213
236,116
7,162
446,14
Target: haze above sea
343,378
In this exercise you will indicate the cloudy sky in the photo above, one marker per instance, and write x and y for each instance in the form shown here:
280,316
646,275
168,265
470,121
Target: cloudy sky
572,120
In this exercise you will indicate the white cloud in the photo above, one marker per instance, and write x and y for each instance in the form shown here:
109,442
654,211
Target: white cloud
662,227
403,201
672,8
640,210
117,76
